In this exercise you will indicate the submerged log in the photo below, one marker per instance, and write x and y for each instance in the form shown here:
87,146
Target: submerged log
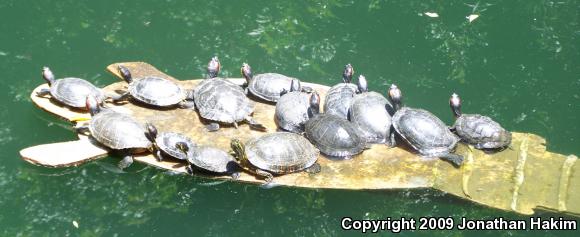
520,179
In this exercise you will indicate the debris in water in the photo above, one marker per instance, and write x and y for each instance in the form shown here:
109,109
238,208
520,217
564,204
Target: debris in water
432,14
472,17
75,224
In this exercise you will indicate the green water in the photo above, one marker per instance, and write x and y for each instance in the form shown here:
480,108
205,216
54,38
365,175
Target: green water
519,63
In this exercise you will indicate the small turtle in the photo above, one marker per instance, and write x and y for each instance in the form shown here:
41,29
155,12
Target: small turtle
268,86
220,100
164,143
478,130
371,113
423,131
276,153
338,98
70,91
116,131
333,135
208,159
292,109
155,91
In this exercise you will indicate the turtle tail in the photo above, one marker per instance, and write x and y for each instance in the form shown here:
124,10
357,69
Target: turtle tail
454,159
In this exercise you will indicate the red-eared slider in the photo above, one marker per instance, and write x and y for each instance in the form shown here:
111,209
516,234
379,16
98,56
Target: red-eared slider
276,153
371,113
116,131
209,159
478,130
267,86
423,131
155,91
220,100
333,135
70,91
164,144
338,98
292,109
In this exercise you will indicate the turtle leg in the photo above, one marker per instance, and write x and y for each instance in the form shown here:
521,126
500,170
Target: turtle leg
236,125
119,98
43,92
235,175
212,127
255,125
186,104
313,169
83,130
267,176
454,159
126,161
307,89
189,169
392,142
158,155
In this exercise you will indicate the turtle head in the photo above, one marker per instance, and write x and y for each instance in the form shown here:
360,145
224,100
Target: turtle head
92,104
150,131
246,72
314,108
455,103
347,73
362,84
395,96
125,73
213,67
182,146
238,149
47,75
295,85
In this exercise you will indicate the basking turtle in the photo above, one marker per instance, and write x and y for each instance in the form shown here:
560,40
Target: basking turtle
220,100
292,109
478,130
371,113
116,131
164,144
268,86
338,98
423,131
155,91
333,135
70,91
276,153
208,159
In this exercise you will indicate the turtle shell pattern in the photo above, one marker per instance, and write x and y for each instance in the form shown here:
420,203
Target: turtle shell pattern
73,91
338,99
482,132
166,142
292,111
156,91
221,100
118,131
334,136
212,159
369,111
268,86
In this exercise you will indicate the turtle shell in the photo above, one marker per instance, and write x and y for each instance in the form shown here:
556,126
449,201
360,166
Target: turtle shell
166,142
369,111
268,86
212,159
281,152
424,132
73,91
221,100
292,111
481,132
334,136
156,91
118,131
338,99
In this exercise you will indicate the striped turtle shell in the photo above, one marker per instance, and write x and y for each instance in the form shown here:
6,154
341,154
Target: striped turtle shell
221,100
334,136
73,91
118,131
156,91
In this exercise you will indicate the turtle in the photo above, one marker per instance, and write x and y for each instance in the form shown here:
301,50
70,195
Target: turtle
276,153
480,131
423,131
208,159
371,113
267,86
116,131
338,98
164,144
332,134
154,91
292,109
70,91
220,100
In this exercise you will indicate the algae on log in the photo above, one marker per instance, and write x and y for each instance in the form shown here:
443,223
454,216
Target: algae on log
520,179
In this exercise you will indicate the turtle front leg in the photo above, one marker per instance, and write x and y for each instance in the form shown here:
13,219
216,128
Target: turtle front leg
43,92
391,141
127,160
313,169
213,127
235,175
83,130
158,155
186,104
454,159
255,125
120,98
307,89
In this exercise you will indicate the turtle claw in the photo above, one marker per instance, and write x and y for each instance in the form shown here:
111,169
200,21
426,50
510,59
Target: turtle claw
125,162
43,92
315,168
212,127
236,175
189,170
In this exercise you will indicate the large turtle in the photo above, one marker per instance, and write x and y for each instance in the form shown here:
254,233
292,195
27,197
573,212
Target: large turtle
267,86
423,131
276,153
333,135
115,130
155,91
208,159
478,130
338,98
164,144
220,100
371,113
70,91
292,109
